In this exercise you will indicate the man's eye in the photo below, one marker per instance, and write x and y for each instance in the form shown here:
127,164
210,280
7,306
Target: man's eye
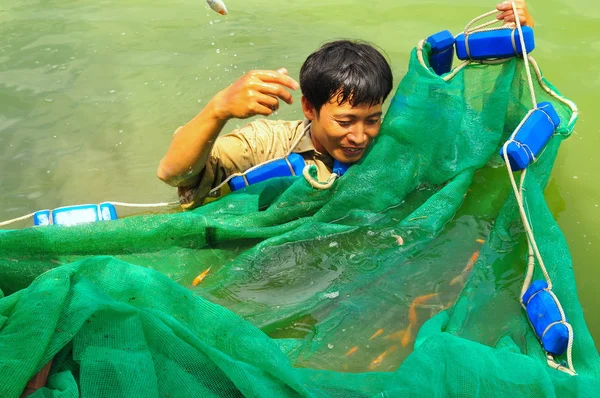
344,123
373,122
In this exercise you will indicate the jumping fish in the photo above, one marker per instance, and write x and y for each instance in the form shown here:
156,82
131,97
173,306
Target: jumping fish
218,6
200,277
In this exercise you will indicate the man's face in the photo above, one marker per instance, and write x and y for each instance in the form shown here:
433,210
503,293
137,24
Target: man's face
344,131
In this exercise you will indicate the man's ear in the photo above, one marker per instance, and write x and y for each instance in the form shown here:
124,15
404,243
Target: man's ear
309,110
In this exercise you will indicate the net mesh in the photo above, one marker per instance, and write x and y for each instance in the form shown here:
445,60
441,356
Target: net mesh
403,279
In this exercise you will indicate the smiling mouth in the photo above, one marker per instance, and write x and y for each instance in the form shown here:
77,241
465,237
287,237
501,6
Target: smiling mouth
352,151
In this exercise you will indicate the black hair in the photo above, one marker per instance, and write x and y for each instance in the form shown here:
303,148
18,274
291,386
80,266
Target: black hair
353,71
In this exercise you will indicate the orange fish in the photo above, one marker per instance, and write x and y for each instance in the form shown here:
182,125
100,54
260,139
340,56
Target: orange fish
480,241
379,360
406,338
463,276
200,277
412,311
396,336
405,335
351,351
376,334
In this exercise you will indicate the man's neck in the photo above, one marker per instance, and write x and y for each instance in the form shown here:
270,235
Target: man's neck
318,146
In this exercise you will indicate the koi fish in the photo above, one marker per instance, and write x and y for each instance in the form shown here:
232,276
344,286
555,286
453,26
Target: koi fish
396,336
218,6
405,335
406,338
480,241
351,351
412,312
463,276
379,360
376,334
200,277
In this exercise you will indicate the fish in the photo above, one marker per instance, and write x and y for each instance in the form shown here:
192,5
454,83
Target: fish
200,277
218,6
399,240
405,335
351,351
463,276
406,338
396,336
379,360
412,311
480,241
376,334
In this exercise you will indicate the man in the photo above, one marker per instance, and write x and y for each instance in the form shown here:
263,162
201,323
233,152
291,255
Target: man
344,85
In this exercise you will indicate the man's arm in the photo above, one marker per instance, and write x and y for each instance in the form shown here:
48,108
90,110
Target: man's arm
508,16
255,93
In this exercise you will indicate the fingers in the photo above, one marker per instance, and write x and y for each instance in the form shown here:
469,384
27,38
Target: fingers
275,90
260,109
522,19
507,5
509,16
268,101
276,76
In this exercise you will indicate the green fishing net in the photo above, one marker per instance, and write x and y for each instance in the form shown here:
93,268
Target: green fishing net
402,279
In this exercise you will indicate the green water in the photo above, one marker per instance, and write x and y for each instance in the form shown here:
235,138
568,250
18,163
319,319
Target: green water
90,92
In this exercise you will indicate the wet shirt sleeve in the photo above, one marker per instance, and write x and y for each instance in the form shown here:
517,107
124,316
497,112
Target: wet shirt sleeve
236,152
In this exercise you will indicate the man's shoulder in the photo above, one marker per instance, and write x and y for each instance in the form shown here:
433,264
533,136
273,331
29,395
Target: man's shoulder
286,128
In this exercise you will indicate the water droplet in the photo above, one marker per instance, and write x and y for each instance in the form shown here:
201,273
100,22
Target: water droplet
146,83
121,131
233,34
251,43
333,244
113,91
330,346
123,34
219,51
575,177
332,295
48,99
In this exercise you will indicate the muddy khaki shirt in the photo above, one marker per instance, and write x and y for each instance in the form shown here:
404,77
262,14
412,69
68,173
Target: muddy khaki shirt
249,146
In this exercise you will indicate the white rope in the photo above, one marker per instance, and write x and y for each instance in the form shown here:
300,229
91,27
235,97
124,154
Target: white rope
525,57
530,236
479,18
14,220
317,184
567,102
121,204
144,205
